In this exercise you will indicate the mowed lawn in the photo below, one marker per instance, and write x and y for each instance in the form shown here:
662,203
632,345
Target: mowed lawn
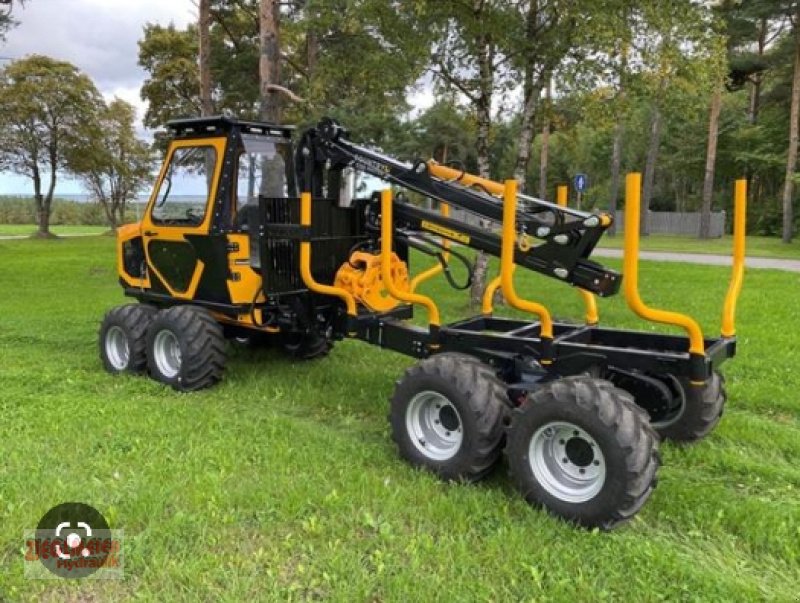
58,229
282,482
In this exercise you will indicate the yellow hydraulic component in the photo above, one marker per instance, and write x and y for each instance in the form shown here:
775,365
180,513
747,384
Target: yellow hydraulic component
737,274
305,262
633,187
487,305
386,264
361,277
561,195
592,316
507,265
448,173
437,269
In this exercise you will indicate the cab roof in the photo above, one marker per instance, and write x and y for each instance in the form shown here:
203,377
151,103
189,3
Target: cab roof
223,124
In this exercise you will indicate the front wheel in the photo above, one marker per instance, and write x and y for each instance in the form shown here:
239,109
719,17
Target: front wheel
583,450
186,348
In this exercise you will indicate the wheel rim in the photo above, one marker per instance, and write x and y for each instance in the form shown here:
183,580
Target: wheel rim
567,462
118,350
167,353
434,425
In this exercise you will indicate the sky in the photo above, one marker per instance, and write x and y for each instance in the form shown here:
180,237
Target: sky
99,37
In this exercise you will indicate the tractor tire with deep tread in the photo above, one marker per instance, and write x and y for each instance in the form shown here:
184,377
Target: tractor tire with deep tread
582,449
123,338
447,416
186,348
700,411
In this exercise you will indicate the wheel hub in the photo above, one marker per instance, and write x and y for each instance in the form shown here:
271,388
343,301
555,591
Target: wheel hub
434,425
167,353
118,349
567,461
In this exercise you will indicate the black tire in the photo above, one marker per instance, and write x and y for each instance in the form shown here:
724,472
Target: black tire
305,346
699,412
583,415
465,431
185,348
123,338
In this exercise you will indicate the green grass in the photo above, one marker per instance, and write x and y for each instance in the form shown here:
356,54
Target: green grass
282,483
768,247
65,229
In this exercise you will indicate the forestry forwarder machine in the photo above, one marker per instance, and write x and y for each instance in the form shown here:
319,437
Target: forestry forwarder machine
225,249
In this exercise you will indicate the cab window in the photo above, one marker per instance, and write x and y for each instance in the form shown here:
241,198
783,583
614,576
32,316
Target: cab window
184,191
264,165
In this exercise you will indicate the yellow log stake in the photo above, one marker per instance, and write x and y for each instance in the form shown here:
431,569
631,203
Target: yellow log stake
438,268
305,262
386,263
737,273
633,187
507,263
589,302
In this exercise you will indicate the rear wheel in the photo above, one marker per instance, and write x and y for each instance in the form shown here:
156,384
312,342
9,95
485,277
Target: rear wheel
123,338
186,348
698,411
447,416
583,450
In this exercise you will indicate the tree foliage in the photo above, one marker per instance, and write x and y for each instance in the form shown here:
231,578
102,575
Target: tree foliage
116,164
47,115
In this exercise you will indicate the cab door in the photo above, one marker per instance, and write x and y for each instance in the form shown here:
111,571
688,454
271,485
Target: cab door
181,206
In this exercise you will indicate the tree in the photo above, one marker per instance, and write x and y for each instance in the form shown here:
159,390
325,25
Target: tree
48,107
204,59
116,164
169,56
787,231
6,20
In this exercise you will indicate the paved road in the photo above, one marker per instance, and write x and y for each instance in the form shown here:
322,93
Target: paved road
704,258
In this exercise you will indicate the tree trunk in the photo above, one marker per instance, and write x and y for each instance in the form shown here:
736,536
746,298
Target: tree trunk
616,167
47,203
791,156
711,160
269,60
483,107
616,144
533,90
650,167
544,154
204,24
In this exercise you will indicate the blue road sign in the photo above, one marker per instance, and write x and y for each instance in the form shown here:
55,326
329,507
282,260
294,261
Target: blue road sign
581,182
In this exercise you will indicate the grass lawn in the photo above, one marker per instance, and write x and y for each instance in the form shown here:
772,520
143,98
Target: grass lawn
282,483
768,247
66,229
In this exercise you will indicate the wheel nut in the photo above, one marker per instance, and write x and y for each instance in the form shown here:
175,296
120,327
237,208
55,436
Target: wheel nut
565,460
548,433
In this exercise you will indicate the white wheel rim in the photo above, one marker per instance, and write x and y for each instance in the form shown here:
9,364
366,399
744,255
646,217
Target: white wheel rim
434,426
118,350
567,462
167,353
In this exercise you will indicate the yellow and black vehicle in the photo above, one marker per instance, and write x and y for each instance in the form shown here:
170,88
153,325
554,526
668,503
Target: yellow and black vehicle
253,237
